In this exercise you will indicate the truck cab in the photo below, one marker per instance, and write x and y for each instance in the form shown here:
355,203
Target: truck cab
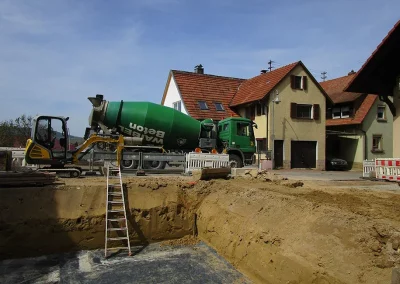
236,136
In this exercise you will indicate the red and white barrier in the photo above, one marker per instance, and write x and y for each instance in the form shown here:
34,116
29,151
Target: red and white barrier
388,169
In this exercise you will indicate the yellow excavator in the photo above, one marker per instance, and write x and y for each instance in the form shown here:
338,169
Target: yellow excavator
49,145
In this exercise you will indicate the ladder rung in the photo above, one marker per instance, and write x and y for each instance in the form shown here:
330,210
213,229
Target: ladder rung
116,229
116,202
116,219
115,194
117,238
115,211
117,248
114,185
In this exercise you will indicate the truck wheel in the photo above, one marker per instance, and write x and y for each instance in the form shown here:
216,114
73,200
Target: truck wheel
235,161
154,165
129,164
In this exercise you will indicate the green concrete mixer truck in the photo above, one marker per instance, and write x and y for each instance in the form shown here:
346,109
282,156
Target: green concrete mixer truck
166,130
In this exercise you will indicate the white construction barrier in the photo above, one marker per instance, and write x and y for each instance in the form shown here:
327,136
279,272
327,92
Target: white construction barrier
388,169
368,167
197,161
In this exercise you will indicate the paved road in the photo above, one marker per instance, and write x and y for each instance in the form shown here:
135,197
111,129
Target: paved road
154,264
319,175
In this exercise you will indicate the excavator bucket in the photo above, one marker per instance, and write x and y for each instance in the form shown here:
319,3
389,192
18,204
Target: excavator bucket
215,173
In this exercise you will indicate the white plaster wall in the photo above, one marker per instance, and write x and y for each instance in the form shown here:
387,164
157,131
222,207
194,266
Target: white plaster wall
174,96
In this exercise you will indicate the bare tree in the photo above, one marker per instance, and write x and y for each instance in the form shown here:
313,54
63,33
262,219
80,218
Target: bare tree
15,132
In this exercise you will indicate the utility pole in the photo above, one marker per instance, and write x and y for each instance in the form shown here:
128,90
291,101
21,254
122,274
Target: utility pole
323,77
270,65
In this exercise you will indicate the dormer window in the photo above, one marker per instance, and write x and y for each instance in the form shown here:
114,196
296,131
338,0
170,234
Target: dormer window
345,111
341,112
219,107
203,105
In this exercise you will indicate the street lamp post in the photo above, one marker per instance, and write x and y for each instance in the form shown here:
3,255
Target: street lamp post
275,100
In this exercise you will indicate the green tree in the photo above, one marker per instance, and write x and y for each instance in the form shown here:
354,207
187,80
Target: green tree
15,132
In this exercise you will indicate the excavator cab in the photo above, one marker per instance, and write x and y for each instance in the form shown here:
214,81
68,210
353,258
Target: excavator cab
49,141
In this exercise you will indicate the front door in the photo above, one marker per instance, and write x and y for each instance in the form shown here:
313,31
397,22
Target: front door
278,153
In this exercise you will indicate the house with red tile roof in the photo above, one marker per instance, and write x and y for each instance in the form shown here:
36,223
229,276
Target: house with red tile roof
358,125
380,75
200,95
287,104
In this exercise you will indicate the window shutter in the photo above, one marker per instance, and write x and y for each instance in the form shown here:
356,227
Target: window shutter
316,112
304,82
293,110
292,79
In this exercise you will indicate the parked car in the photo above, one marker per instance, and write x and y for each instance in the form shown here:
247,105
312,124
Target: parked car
336,164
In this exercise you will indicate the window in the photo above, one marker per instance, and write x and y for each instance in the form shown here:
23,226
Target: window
381,113
336,113
219,107
304,111
225,127
377,143
345,111
177,105
260,110
203,105
298,82
250,112
341,112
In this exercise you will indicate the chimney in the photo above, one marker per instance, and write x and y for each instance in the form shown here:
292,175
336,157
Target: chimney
263,71
199,69
351,72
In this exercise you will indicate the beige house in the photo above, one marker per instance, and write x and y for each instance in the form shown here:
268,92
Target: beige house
358,126
380,75
288,105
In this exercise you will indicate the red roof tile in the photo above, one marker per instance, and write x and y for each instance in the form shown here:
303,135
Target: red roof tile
334,88
258,87
195,87
359,116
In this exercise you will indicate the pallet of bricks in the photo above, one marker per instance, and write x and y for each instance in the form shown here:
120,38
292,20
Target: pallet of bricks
11,178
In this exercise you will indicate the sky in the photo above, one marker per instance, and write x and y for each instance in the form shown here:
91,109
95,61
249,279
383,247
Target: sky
54,54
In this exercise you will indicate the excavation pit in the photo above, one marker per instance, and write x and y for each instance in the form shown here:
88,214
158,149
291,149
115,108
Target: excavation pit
271,230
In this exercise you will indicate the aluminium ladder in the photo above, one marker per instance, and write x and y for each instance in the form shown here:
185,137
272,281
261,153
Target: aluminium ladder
116,221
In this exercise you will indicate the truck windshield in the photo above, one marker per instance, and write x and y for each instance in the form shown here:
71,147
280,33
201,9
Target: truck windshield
244,129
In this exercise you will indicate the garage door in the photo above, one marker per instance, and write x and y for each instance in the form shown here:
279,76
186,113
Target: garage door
304,154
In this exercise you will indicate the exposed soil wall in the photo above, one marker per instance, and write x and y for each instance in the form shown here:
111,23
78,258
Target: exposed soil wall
276,232
272,230
71,216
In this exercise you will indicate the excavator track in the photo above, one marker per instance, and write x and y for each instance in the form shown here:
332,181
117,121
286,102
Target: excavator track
63,172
